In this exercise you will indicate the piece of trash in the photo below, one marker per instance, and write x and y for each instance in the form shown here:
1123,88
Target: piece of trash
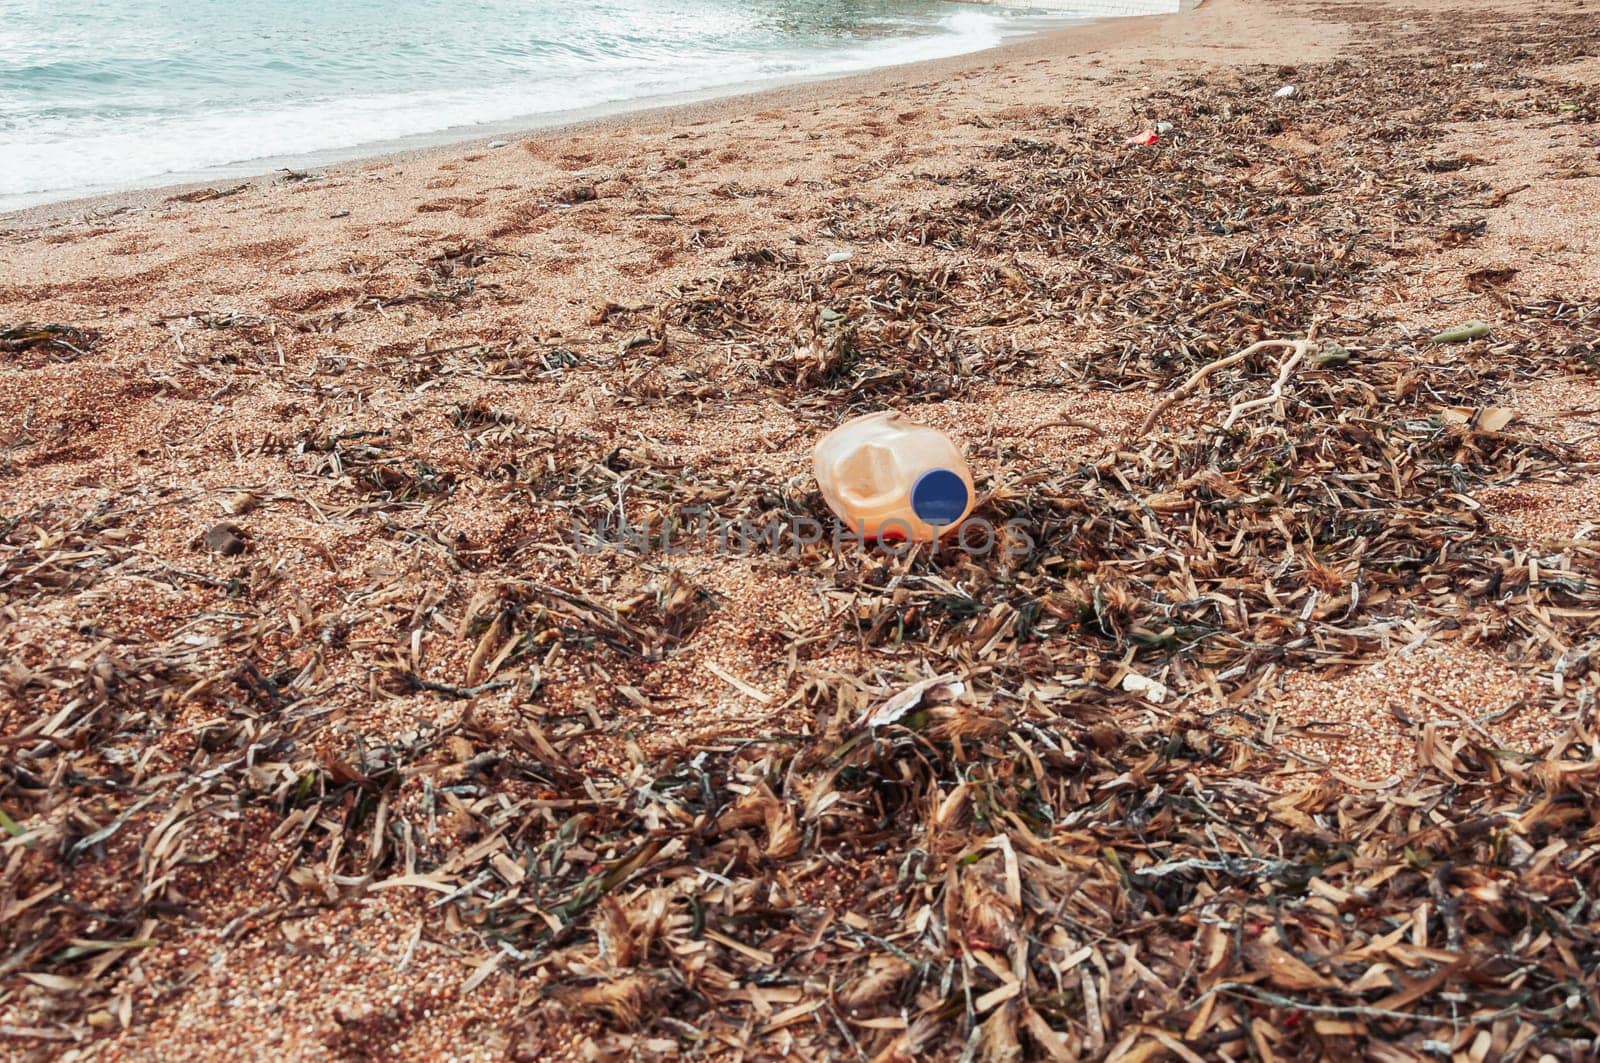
1285,92
838,256
1472,330
1142,140
340,214
1163,128
889,478
946,687
1145,687
1331,354
1482,418
498,143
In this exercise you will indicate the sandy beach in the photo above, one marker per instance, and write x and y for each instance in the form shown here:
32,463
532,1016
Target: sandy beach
338,718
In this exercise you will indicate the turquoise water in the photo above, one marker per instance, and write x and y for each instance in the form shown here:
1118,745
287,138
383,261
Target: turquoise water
103,94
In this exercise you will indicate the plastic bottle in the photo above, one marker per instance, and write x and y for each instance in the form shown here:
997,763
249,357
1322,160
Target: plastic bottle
889,478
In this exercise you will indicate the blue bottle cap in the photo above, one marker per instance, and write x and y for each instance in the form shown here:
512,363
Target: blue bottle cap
939,497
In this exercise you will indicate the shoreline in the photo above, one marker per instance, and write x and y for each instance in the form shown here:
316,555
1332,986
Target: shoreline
1078,36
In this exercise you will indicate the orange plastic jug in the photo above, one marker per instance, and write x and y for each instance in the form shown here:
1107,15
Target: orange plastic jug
890,478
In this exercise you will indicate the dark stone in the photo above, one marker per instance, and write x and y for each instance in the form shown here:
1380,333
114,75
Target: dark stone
226,539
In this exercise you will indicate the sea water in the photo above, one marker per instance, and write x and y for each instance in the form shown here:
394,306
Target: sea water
99,95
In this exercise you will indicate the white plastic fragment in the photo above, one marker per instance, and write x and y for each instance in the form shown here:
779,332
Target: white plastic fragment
1145,687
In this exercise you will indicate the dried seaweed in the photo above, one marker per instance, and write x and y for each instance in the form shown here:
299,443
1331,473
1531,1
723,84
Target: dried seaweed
58,343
